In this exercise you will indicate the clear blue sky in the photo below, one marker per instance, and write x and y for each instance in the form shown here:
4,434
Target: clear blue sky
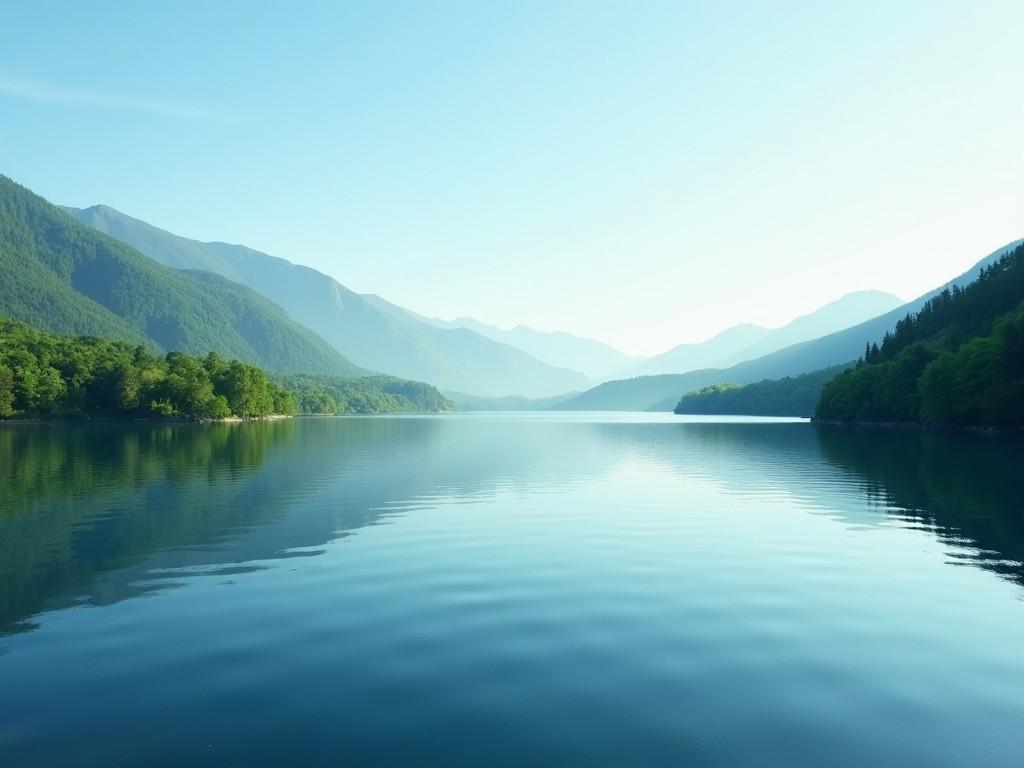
643,173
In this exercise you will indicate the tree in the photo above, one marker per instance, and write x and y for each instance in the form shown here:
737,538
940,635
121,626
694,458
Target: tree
246,390
958,361
6,392
42,374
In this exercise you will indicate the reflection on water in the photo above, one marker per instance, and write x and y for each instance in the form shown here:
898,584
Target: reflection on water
80,502
964,488
490,589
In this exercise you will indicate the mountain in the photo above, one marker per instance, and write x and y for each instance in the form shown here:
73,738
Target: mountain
595,359
64,277
641,393
845,312
661,393
748,342
43,375
958,361
790,396
704,354
367,329
464,402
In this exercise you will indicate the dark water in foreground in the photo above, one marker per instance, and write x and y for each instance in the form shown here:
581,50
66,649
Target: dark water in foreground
506,591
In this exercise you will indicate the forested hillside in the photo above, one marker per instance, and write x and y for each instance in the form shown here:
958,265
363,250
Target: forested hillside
789,396
368,330
958,361
662,393
43,375
371,394
64,277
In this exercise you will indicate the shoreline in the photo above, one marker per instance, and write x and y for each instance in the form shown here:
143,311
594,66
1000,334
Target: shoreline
969,429
146,420
226,420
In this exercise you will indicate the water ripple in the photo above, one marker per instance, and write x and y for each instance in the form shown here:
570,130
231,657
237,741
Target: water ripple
556,590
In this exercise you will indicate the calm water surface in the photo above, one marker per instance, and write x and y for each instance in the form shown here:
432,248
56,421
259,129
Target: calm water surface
492,590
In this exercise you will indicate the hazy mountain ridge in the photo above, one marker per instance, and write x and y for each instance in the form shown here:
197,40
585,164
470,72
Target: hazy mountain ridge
662,393
594,358
846,311
744,342
64,277
392,340
701,354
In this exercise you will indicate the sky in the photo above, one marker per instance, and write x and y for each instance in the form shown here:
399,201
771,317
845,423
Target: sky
644,173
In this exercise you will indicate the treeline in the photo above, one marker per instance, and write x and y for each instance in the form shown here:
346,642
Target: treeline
958,362
790,396
958,314
43,375
371,394
61,276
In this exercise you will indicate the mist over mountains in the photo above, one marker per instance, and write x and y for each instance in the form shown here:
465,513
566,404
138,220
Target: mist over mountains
662,392
374,334
463,355
595,359
748,342
97,270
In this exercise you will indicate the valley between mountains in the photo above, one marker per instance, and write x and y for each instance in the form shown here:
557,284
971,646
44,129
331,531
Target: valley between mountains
99,272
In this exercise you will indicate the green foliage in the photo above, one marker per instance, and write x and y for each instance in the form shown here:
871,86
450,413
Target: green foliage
6,393
790,396
379,335
43,375
372,394
980,383
959,361
62,276
953,316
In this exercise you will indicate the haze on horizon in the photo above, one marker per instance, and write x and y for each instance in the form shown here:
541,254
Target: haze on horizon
644,176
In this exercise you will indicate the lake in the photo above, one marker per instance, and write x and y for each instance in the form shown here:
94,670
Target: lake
510,589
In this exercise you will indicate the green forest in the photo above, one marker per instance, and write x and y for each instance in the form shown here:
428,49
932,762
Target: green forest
789,396
64,277
370,394
959,361
43,375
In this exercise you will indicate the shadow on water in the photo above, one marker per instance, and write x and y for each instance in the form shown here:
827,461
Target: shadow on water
965,488
97,514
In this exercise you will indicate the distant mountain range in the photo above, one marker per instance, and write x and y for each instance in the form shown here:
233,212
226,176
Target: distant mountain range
595,359
745,341
702,354
64,277
366,329
122,278
748,342
662,392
